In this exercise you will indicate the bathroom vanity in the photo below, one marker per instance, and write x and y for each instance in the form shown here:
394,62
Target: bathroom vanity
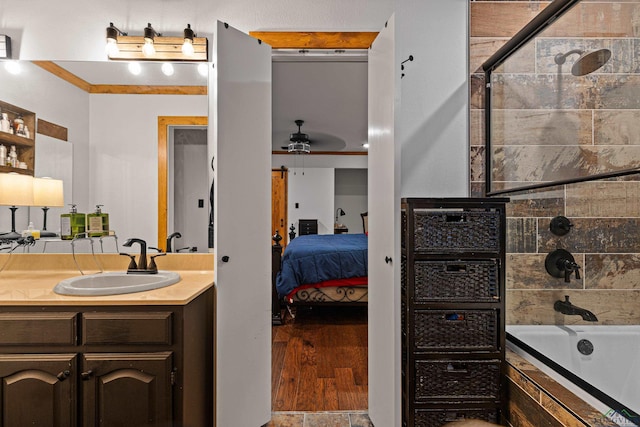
143,359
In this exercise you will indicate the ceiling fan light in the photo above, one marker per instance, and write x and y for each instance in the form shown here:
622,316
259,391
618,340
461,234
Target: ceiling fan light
299,148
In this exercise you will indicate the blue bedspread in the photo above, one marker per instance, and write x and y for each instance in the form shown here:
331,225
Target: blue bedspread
319,257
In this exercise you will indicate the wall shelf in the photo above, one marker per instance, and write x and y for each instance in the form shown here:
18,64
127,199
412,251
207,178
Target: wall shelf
25,147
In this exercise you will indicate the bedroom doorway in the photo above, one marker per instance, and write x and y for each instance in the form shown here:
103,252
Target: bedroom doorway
320,353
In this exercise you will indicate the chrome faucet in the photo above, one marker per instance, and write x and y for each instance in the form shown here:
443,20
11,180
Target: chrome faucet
175,235
141,265
565,307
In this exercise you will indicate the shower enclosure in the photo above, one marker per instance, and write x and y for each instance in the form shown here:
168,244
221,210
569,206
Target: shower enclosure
562,139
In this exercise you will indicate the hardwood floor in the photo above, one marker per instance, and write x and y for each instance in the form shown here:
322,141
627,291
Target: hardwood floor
319,360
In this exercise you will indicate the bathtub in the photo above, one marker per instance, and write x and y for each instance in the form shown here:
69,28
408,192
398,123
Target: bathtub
599,363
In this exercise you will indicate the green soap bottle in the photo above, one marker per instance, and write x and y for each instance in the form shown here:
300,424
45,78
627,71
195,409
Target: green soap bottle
71,224
98,223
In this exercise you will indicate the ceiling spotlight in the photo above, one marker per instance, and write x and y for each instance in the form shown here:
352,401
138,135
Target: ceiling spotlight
112,39
149,33
167,69
134,68
187,46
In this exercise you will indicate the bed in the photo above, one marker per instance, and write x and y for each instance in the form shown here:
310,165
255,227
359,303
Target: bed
321,269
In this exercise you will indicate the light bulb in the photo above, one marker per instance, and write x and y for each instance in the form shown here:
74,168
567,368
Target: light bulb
148,49
203,69
187,47
112,47
167,69
12,67
135,68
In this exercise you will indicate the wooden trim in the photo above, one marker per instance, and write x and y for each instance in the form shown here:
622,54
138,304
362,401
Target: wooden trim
69,77
53,130
324,153
148,90
316,39
60,72
163,141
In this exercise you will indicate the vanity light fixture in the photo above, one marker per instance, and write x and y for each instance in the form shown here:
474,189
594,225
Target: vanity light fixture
112,39
365,145
153,46
148,49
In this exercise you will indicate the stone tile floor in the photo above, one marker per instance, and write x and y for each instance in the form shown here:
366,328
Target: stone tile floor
319,419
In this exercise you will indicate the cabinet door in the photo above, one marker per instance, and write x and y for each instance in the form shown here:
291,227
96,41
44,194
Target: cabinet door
127,389
37,390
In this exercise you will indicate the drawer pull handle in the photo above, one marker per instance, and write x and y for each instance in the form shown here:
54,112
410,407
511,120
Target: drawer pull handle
63,375
86,375
457,368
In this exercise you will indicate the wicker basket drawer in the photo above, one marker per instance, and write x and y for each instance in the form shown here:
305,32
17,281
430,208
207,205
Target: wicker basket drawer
438,417
457,379
457,281
456,330
456,231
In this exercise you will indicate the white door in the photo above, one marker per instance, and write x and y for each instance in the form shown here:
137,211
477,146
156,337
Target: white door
240,140
384,232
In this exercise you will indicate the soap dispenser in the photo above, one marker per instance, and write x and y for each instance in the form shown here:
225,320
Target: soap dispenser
71,223
98,223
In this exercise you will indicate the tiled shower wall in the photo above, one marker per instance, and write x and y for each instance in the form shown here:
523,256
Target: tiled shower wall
604,118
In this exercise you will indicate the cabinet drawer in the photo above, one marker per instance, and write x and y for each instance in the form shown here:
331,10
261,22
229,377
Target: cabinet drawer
438,417
457,379
456,231
456,281
456,330
38,328
127,328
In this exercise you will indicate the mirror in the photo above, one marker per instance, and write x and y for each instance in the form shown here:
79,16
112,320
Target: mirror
111,115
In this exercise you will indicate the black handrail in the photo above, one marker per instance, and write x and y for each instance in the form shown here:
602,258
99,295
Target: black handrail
529,31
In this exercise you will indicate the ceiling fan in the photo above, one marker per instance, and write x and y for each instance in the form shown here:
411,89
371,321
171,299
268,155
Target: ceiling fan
298,141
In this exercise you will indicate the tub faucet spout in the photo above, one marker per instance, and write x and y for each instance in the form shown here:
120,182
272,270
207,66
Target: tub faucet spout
565,307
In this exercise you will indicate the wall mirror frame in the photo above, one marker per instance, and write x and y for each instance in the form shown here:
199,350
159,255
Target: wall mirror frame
521,155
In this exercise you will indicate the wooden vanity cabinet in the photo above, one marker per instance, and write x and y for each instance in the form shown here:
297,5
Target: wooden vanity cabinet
120,366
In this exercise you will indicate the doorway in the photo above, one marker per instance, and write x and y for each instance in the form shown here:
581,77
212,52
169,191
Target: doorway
320,354
166,125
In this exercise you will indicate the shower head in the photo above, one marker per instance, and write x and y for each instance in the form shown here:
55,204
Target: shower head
587,63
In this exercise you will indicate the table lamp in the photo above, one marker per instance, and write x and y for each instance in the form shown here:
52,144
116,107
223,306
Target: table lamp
47,192
15,190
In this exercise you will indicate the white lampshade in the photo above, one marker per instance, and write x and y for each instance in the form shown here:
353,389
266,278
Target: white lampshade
16,189
47,192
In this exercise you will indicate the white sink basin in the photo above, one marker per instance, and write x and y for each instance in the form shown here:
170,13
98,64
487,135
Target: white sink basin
115,283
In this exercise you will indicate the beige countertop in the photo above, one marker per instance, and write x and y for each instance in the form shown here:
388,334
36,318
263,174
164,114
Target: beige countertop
28,279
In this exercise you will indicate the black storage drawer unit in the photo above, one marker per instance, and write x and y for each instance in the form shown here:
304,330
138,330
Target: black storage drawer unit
453,338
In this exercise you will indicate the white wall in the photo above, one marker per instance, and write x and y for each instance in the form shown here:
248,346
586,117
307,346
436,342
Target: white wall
313,190
124,157
351,196
432,121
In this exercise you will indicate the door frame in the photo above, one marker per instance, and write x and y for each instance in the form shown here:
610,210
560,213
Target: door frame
163,170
